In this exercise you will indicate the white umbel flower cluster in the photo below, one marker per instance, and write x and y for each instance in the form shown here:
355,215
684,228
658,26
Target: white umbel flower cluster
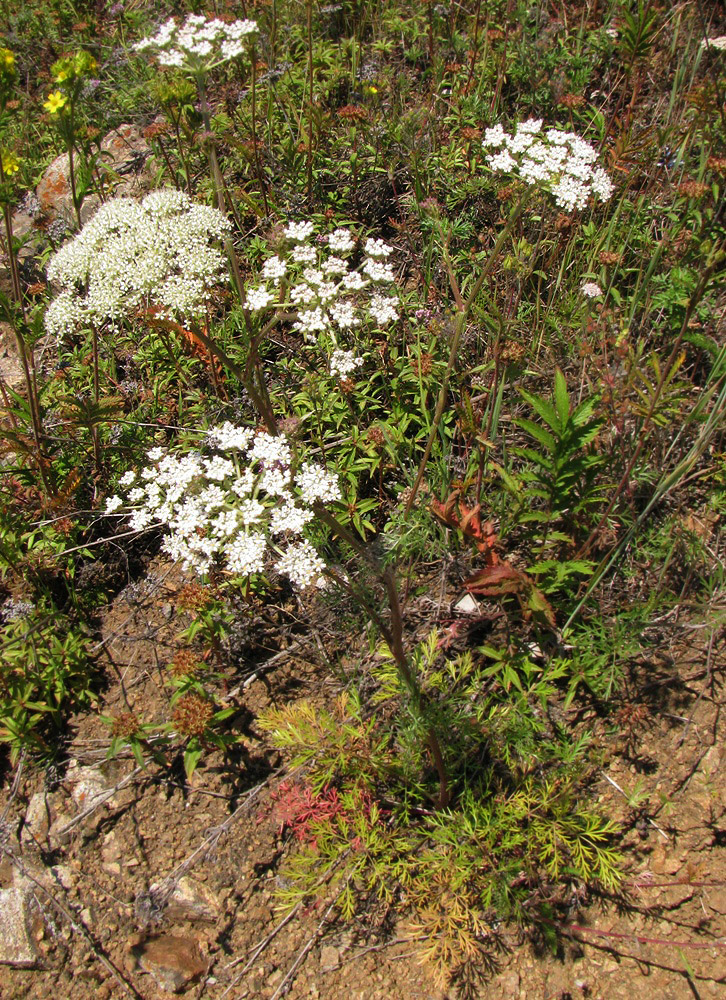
591,289
232,505
562,162
198,45
160,252
342,363
332,283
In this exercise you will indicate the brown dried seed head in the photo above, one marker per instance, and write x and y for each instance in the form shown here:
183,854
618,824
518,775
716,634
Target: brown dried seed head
422,365
184,664
470,133
125,725
717,163
193,597
375,436
192,715
156,129
512,352
352,112
693,189
609,259
571,101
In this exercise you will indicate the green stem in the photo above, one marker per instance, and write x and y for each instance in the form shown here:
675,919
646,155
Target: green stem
393,635
460,318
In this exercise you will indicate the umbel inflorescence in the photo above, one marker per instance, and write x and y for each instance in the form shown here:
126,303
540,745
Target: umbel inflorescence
561,162
161,252
198,45
316,277
232,503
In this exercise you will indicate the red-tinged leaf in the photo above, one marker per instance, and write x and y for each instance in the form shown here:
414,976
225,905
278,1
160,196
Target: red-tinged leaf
495,580
468,521
504,579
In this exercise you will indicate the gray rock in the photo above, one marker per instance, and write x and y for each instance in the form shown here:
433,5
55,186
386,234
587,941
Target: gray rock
18,946
191,900
38,819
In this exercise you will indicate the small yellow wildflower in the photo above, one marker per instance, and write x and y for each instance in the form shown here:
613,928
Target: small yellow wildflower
10,162
56,100
7,60
370,89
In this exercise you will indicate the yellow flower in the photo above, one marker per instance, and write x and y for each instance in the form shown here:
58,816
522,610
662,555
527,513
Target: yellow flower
10,162
7,60
56,100
370,89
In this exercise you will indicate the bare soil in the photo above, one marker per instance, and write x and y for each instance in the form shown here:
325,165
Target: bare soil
662,778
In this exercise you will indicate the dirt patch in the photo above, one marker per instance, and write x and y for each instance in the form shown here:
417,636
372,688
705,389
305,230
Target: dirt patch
143,882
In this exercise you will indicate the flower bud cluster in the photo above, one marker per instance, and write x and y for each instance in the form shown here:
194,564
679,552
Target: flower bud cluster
198,45
562,162
331,288
158,252
231,504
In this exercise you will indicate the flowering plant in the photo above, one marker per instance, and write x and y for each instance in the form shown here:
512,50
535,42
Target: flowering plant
562,162
316,278
158,252
198,45
231,506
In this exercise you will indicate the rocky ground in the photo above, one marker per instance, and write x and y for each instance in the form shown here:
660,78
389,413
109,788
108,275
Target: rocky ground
118,881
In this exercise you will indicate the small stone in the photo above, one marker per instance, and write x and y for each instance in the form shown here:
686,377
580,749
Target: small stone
174,962
329,958
191,900
88,784
38,819
711,761
17,943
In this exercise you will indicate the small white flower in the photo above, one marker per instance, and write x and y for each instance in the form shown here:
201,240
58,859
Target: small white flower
251,511
343,315
310,320
383,310
112,504
342,363
341,241
591,289
501,161
246,554
128,478
316,483
353,281
301,564
377,248
218,468
378,271
274,268
494,136
270,449
258,298
304,255
299,231
289,518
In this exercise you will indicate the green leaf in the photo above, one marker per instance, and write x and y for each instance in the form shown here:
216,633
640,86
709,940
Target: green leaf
542,407
191,759
562,399
538,433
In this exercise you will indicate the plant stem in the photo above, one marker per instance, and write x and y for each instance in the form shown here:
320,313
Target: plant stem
21,345
692,303
393,635
460,318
